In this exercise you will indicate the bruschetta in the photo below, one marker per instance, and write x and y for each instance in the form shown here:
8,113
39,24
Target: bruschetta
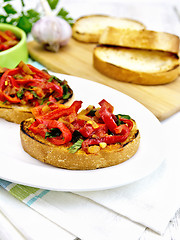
68,138
25,87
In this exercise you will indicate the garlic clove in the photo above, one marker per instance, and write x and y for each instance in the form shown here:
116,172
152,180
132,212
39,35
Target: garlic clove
52,32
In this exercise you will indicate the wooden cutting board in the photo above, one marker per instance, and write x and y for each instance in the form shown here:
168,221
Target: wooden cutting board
76,59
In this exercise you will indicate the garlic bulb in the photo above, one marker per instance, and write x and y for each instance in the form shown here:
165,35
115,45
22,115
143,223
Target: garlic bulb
52,32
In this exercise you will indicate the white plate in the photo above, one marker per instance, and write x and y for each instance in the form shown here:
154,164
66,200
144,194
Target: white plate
17,166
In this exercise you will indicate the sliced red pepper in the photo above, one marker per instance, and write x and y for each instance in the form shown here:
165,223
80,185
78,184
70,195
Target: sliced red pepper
122,129
87,130
38,127
107,118
14,99
57,113
10,72
13,82
128,122
55,87
50,106
110,139
109,107
44,85
42,126
101,131
40,73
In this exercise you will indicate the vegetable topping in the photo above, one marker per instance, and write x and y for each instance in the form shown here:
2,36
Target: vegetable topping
89,130
28,85
7,40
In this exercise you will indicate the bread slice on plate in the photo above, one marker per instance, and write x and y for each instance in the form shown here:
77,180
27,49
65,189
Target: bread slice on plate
92,145
138,66
89,28
143,39
24,87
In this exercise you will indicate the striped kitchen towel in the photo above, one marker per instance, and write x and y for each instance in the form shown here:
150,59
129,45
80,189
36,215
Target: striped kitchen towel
75,215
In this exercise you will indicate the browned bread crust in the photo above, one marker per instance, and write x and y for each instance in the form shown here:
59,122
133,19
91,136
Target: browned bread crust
89,28
59,156
143,39
135,65
14,114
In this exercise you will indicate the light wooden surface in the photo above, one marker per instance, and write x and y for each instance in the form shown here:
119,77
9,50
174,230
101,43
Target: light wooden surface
76,59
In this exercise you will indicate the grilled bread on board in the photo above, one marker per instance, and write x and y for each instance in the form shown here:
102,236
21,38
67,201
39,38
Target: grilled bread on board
137,56
141,39
89,28
79,140
25,87
132,65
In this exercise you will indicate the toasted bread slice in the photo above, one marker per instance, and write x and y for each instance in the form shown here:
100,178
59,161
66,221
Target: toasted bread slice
143,39
14,113
59,156
136,66
89,28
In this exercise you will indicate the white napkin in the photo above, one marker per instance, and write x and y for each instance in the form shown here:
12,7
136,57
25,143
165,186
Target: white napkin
49,216
17,222
153,200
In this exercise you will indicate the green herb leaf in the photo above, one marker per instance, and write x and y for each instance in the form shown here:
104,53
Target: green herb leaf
3,19
66,93
76,146
52,77
53,132
35,94
9,9
53,3
25,24
22,2
65,15
92,112
33,15
119,122
20,93
124,116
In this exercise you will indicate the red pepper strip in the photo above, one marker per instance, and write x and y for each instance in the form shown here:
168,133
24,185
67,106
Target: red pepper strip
57,113
43,84
128,122
38,127
2,98
13,82
42,126
11,99
122,129
87,130
38,111
107,118
109,107
5,74
39,72
100,131
55,87
52,99
110,139
3,47
66,134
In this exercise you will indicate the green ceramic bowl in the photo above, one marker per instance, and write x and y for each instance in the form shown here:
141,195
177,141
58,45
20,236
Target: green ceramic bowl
10,58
